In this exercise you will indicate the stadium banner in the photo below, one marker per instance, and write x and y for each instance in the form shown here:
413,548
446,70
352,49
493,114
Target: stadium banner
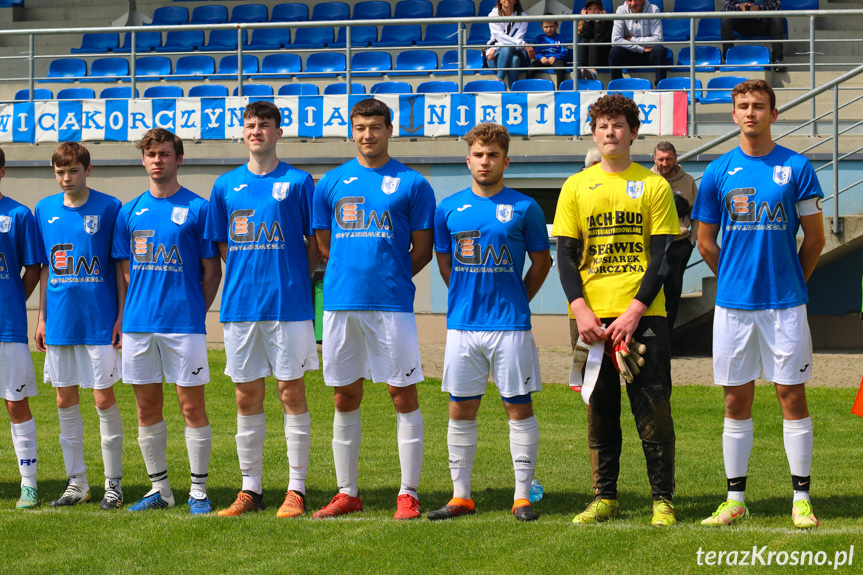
311,117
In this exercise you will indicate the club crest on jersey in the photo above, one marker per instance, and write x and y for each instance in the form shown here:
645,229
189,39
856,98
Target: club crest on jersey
179,215
280,190
91,224
390,184
5,224
634,189
781,174
504,212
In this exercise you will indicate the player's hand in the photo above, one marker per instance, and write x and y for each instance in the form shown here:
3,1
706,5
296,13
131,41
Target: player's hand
589,327
117,334
627,358
622,329
40,336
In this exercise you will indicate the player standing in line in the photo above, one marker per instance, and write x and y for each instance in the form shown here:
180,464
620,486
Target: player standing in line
489,228
259,214
614,223
373,218
173,275
80,321
18,381
760,194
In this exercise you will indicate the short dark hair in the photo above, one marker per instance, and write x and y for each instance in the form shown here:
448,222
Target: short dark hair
665,147
489,133
2,158
156,136
69,154
370,107
754,86
613,105
263,110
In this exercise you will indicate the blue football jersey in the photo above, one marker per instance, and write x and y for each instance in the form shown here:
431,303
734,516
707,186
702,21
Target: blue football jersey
370,214
264,219
488,239
754,200
17,249
164,240
75,244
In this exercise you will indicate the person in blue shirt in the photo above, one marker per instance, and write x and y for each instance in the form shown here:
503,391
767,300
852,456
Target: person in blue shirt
17,379
551,52
260,215
80,321
172,273
373,220
482,235
760,194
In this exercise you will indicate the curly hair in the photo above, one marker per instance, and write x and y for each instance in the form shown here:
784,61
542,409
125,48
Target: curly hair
613,105
754,86
489,133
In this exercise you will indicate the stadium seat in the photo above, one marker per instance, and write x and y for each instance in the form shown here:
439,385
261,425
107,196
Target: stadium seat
194,67
415,63
719,89
228,65
163,92
223,41
440,35
331,11
254,90
299,89
659,4
707,58
66,70
98,43
289,12
341,88
693,6
361,36
144,42
413,9
182,41
208,91
437,87
479,35
108,70
681,84
534,85
675,30
485,86
455,9
170,16
800,4
583,85
325,64
209,14
391,88
629,84
76,94
709,30
248,13
746,58
38,94
534,29
372,10
117,93
313,38
472,61
280,65
400,35
152,67
269,39
371,63
485,7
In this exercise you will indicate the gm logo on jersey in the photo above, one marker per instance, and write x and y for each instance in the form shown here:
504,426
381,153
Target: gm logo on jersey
241,230
3,265
143,251
634,189
179,215
63,262
280,190
741,207
5,224
469,252
91,224
351,216
504,213
781,174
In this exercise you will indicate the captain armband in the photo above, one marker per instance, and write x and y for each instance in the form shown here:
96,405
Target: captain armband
809,207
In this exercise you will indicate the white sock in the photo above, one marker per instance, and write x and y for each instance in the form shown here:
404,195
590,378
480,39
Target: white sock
153,440
410,431
199,444
72,445
798,448
523,445
111,430
298,430
737,438
461,439
251,431
347,431
24,441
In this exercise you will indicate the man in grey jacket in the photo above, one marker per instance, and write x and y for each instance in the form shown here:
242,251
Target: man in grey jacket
633,40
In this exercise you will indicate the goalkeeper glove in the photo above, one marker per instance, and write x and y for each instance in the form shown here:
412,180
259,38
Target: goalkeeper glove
627,360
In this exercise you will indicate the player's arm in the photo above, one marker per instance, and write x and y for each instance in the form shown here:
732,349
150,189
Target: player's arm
313,253
212,278
813,242
444,264
122,285
40,322
568,257
421,249
540,265
708,247
323,237
30,278
223,250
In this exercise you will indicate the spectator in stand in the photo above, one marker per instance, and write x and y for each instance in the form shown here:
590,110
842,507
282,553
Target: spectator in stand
551,52
754,27
636,42
506,49
593,37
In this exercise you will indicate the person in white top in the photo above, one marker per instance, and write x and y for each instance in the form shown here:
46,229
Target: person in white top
506,50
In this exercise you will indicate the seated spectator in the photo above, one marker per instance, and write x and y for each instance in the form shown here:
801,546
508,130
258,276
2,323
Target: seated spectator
633,40
754,27
552,52
506,49
590,33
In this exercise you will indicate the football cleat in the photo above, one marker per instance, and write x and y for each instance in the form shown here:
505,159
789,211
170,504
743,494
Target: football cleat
728,513
29,498
407,507
153,500
199,504
113,498
246,501
523,511
597,512
72,496
294,505
455,508
663,513
341,504
803,516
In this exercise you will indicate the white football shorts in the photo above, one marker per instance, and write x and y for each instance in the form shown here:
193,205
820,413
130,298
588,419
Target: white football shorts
256,349
17,378
180,357
87,366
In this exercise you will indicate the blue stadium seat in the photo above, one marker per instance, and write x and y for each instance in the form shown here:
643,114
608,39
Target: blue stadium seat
486,5
269,39
325,64
38,94
719,89
331,11
11,3
299,89
800,4
415,63
400,35
98,43
208,91
152,67
455,9
163,92
289,12
746,58
479,35
144,42
694,6
534,29
437,87
117,93
372,10
228,65
485,86
413,9
280,65
66,70
629,84
371,63
707,58
534,85
440,35
254,90
194,67
170,16
361,36
391,88
222,41
342,87
472,61
709,30
248,13
583,85
76,94
681,84
659,4
675,30
108,70
182,41
315,38
209,14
